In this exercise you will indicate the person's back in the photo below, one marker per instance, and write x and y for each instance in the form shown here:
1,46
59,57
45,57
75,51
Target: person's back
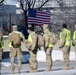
32,39
40,41
50,36
48,45
32,45
66,37
15,39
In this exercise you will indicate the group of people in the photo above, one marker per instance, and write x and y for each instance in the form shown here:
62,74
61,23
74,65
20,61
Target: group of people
34,42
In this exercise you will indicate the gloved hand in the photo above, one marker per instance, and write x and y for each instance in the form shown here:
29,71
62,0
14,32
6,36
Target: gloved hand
61,47
73,44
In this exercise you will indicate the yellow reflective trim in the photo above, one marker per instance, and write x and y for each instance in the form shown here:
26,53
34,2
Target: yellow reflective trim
50,45
68,37
2,46
30,38
74,35
18,33
10,44
2,43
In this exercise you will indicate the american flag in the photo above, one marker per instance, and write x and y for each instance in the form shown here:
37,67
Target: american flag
38,17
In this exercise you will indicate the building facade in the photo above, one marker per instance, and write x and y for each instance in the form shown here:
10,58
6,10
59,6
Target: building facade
9,15
62,11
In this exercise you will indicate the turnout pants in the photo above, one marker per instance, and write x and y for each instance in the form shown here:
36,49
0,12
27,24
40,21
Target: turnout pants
16,52
32,60
66,52
1,50
48,56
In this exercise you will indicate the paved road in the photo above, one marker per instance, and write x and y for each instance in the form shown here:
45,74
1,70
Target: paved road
57,69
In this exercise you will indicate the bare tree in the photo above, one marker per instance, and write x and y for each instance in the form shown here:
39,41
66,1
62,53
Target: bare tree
27,4
60,2
43,3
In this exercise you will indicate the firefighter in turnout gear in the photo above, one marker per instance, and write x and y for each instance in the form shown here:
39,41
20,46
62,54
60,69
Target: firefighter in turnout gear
32,46
49,42
65,43
1,48
15,39
74,40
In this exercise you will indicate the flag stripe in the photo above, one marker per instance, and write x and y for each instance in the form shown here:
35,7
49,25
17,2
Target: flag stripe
39,23
43,12
39,14
43,16
34,21
39,19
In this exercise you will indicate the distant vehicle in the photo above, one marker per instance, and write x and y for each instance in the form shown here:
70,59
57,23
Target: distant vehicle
23,30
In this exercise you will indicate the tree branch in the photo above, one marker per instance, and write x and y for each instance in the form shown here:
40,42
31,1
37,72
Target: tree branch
60,2
1,1
22,6
43,4
34,1
30,2
29,5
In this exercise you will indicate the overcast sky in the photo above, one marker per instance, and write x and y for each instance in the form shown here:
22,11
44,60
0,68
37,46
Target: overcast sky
10,2
13,2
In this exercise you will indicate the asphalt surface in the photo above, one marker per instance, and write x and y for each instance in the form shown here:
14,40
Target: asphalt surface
56,69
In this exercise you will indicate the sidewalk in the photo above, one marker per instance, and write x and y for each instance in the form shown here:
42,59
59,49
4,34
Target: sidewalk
56,70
